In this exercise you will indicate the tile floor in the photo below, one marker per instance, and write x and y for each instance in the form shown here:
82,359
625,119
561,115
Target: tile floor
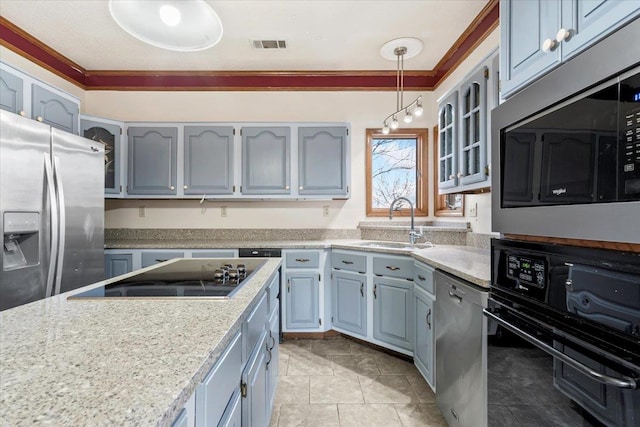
339,382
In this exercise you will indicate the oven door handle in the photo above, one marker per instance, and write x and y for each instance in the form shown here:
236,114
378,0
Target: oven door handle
624,382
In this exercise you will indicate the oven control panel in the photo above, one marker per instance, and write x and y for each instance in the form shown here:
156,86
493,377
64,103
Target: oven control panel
527,269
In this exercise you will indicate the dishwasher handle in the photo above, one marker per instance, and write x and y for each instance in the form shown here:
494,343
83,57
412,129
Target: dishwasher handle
623,382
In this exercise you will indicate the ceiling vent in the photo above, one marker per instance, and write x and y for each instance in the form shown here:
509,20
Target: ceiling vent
269,44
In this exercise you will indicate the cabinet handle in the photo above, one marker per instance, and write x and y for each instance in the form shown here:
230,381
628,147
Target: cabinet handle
288,285
22,113
460,174
162,260
39,118
172,188
451,176
301,188
375,291
362,289
421,277
548,45
456,297
302,259
429,321
273,342
286,187
392,268
185,187
269,352
563,34
347,262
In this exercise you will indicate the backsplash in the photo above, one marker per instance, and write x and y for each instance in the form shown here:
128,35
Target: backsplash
265,234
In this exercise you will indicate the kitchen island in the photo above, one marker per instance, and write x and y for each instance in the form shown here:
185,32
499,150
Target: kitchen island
115,362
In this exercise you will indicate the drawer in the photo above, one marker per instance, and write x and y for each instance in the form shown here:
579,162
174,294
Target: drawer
423,277
253,327
215,253
349,262
273,290
217,388
401,268
154,257
307,259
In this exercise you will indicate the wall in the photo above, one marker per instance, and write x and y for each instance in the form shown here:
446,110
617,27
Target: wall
362,109
481,223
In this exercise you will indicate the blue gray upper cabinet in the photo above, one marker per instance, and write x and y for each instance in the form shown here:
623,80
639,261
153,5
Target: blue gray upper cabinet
11,92
322,161
152,160
208,160
110,135
266,160
54,110
448,142
537,35
473,128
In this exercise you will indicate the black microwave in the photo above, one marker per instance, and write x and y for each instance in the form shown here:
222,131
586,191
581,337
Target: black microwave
584,150
565,151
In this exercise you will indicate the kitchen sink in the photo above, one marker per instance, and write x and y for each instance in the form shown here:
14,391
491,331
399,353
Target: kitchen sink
396,245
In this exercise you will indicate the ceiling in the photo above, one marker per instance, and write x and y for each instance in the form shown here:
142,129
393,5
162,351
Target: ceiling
321,35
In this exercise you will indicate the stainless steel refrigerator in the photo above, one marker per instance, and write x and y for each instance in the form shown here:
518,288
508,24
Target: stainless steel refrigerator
52,211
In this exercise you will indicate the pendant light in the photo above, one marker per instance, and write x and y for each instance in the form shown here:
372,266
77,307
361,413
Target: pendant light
398,50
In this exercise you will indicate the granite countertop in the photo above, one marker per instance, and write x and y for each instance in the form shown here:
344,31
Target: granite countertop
125,362
469,263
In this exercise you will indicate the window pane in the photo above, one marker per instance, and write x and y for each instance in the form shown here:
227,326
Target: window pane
394,172
466,133
467,102
449,109
442,118
448,169
476,126
449,142
476,159
443,140
443,170
476,95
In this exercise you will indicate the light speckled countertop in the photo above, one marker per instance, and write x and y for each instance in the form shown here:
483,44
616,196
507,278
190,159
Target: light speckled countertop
116,363
469,263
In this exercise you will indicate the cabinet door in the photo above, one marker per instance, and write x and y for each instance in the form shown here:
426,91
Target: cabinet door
273,355
254,379
110,135
524,26
322,160
473,128
117,264
448,147
233,413
11,92
590,20
266,160
423,348
208,160
54,110
349,295
302,300
393,312
152,160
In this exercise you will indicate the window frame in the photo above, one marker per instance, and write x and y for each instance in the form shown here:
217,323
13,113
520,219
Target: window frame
422,144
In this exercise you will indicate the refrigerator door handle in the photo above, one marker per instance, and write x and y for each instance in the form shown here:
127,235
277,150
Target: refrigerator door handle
54,223
63,220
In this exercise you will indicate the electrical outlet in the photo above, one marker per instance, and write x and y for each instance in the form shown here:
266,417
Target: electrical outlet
223,211
325,211
142,212
473,210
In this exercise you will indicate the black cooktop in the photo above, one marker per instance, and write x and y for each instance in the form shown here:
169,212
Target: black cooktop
184,278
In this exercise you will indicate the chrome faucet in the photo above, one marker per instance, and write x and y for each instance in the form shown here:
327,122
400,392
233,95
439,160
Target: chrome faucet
413,234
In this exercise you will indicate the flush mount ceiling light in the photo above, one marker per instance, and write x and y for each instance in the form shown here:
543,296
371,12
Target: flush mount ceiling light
181,25
398,50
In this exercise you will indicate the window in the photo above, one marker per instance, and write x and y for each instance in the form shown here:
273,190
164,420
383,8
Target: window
445,204
396,167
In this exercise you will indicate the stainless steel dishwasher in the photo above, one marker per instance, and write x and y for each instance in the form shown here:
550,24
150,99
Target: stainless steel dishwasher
461,349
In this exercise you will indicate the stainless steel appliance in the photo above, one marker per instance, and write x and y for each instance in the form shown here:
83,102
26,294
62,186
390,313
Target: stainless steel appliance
567,349
51,211
573,139
460,351
183,278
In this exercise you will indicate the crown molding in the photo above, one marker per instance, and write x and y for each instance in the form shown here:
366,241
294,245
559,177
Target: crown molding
14,38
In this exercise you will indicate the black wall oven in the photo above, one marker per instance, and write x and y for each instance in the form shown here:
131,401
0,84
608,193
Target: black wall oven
566,150
565,348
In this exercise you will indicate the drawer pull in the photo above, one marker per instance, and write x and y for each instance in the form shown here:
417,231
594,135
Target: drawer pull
421,277
269,353
392,268
162,260
361,289
429,321
347,262
302,259
375,291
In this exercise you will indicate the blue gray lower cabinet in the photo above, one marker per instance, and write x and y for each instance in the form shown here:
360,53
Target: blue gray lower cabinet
302,294
349,302
216,253
254,385
233,414
182,420
393,312
423,342
117,264
273,361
